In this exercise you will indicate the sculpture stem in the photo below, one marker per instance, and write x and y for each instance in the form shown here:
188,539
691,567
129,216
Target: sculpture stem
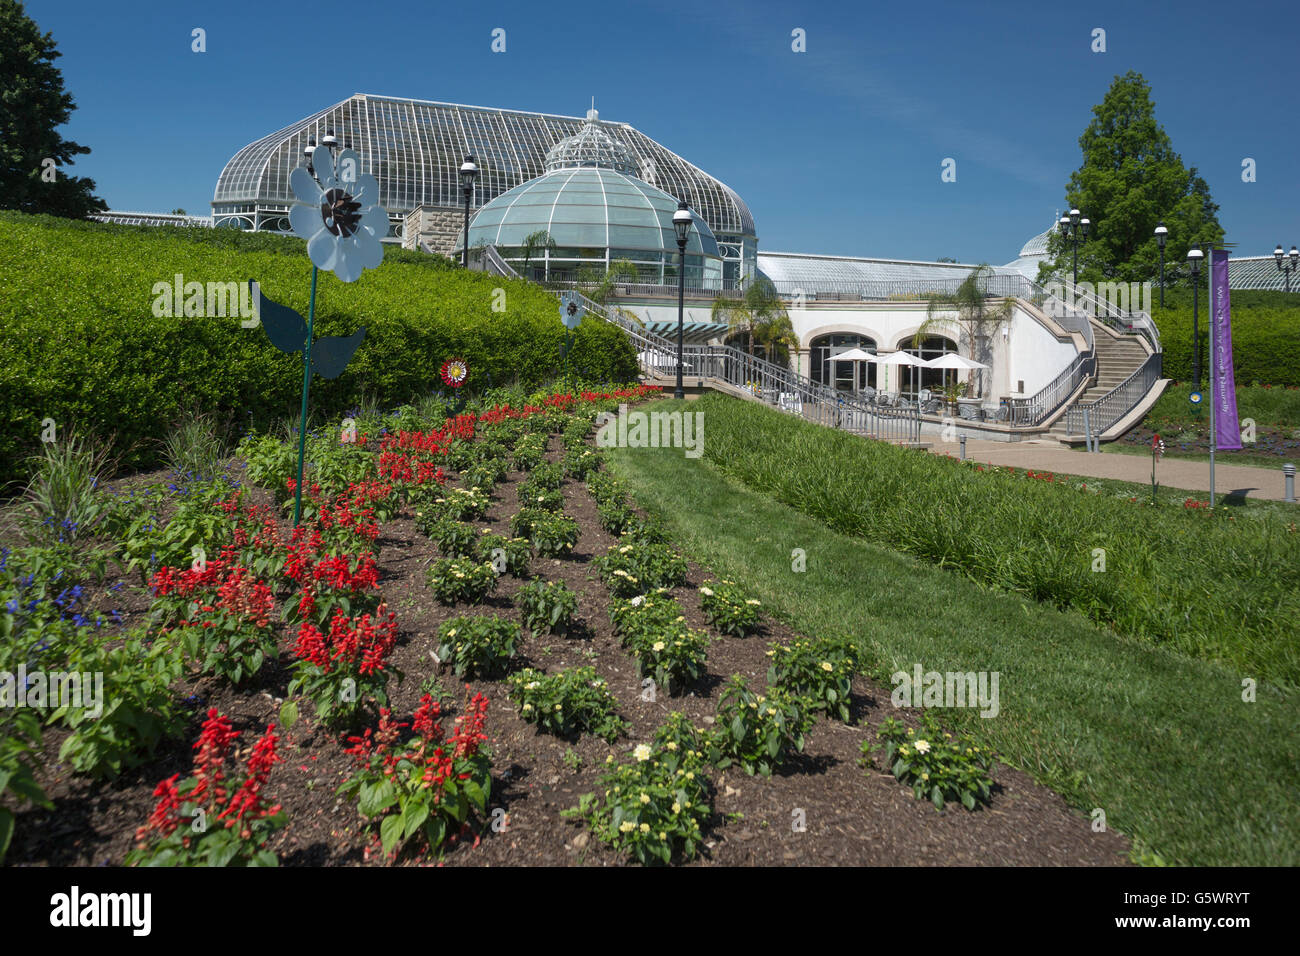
306,385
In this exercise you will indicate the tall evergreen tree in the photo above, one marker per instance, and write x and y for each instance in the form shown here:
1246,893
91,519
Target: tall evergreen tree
33,105
1131,180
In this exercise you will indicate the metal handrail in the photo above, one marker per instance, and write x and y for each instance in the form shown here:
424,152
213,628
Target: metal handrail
768,382
1118,402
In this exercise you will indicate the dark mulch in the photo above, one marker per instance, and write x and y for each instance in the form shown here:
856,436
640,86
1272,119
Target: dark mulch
853,816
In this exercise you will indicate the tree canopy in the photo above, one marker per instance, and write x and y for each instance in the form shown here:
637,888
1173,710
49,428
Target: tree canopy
33,104
1131,180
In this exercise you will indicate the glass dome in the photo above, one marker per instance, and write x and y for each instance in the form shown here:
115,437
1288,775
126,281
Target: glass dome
595,215
591,146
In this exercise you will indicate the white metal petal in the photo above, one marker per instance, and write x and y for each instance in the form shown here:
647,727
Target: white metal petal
376,220
323,250
306,221
347,267
305,188
323,162
366,191
371,249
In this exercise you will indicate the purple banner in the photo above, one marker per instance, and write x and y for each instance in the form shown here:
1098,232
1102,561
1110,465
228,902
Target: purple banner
1223,387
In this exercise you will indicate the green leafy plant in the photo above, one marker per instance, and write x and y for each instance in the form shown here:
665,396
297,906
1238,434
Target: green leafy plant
819,672
934,763
210,818
461,580
20,741
455,539
551,534
567,702
758,732
579,462
480,646
655,804
62,501
342,668
674,656
530,452
728,608
635,566
422,785
506,555
193,446
135,709
546,606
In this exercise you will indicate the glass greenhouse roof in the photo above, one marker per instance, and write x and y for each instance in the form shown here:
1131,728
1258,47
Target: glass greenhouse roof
589,207
415,148
1259,272
811,273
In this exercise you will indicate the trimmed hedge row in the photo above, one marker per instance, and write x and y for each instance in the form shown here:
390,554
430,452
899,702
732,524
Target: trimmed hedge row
1213,588
81,344
1265,338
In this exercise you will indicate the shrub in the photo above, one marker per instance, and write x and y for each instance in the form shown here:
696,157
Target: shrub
480,646
68,321
757,731
544,477
580,462
458,504
484,477
654,804
568,702
461,580
645,614
543,499
20,743
819,672
933,763
728,608
546,605
422,785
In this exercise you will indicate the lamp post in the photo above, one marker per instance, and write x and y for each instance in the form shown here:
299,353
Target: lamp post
468,173
1290,267
682,225
1194,257
1072,227
1162,234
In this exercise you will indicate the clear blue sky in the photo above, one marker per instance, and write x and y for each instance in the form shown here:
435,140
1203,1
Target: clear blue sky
837,150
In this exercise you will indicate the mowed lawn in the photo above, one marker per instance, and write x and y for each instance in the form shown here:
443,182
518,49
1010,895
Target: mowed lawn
1164,744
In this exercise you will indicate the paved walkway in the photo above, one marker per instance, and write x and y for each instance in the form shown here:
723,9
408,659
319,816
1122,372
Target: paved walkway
1171,473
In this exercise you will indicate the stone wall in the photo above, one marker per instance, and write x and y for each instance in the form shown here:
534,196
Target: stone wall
439,226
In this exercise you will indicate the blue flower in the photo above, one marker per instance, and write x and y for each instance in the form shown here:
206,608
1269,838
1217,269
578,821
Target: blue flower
12,606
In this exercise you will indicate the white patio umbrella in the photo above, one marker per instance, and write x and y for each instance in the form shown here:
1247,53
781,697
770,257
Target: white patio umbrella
901,358
953,360
853,355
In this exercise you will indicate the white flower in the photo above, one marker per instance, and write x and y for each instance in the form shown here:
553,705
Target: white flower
340,216
636,601
641,753
923,746
707,592
657,646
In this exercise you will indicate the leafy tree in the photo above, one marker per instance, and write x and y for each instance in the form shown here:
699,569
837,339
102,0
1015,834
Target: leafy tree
179,212
33,104
1131,179
974,313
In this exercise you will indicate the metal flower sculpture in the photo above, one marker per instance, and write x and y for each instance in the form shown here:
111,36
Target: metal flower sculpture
341,218
343,224
454,372
571,313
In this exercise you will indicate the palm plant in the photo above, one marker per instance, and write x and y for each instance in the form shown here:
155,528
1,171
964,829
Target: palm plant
976,314
759,313
535,243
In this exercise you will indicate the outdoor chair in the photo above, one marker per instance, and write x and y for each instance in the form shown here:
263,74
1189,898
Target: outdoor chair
869,395
970,413
884,399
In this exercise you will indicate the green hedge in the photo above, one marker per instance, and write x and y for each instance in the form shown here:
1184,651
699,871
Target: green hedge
1213,588
1265,336
82,346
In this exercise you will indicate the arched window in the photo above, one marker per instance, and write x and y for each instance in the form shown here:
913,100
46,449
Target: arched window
932,347
841,375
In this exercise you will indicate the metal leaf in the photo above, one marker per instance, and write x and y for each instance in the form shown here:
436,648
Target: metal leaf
331,353
284,327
